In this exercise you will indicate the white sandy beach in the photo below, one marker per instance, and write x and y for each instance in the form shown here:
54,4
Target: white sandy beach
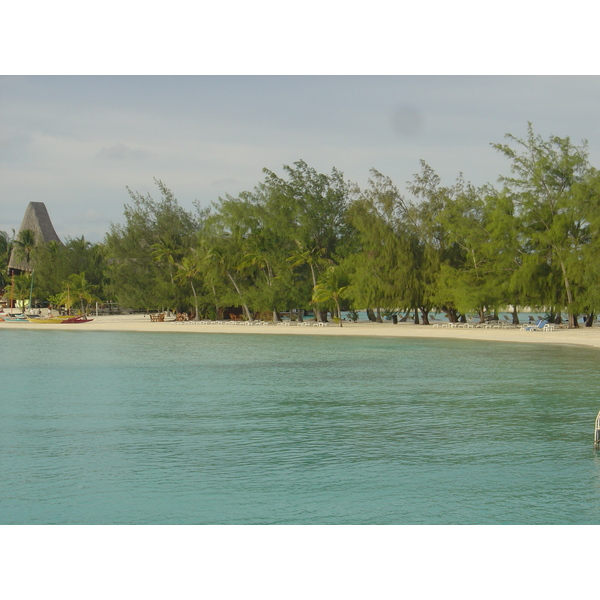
584,336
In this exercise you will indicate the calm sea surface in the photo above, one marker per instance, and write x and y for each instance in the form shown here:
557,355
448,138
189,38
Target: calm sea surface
126,428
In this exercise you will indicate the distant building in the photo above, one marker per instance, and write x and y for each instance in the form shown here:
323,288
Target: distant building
37,220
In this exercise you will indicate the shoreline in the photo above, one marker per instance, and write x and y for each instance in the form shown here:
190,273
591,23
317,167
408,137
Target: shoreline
584,336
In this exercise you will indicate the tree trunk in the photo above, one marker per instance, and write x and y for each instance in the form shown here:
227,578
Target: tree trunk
317,312
589,320
416,316
276,317
515,316
370,315
237,289
214,291
451,314
425,315
378,318
321,316
196,317
572,318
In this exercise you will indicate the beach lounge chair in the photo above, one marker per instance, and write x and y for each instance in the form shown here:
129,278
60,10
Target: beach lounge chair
508,322
474,321
539,326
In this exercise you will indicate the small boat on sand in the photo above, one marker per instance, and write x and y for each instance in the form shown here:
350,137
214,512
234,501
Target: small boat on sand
63,319
49,319
14,318
79,319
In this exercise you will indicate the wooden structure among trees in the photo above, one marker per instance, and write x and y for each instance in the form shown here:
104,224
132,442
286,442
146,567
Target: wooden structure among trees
37,220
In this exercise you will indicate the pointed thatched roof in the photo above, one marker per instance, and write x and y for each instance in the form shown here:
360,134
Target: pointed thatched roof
38,220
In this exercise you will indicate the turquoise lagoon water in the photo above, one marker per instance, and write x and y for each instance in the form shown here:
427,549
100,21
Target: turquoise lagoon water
131,428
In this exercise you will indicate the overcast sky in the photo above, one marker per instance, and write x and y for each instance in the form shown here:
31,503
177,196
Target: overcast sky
76,142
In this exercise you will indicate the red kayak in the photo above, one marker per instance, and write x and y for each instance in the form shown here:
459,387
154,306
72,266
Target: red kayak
77,320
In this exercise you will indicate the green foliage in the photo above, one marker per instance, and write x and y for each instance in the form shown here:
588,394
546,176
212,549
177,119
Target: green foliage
352,315
187,271
77,287
309,239
6,246
438,254
19,290
54,263
382,268
24,245
142,252
275,240
553,186
331,288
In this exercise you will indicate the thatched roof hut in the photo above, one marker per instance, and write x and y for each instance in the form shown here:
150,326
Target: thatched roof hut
36,219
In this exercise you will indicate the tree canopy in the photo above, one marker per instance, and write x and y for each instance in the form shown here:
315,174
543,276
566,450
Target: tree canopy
309,241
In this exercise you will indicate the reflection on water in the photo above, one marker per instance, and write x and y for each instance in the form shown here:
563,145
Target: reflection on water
208,428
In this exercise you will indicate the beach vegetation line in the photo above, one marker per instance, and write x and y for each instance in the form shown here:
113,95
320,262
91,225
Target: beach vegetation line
306,241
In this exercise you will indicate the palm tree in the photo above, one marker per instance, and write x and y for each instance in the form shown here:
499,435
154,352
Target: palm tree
55,301
79,245
19,289
166,251
313,257
24,246
188,269
331,287
77,286
216,261
211,270
259,259
65,298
